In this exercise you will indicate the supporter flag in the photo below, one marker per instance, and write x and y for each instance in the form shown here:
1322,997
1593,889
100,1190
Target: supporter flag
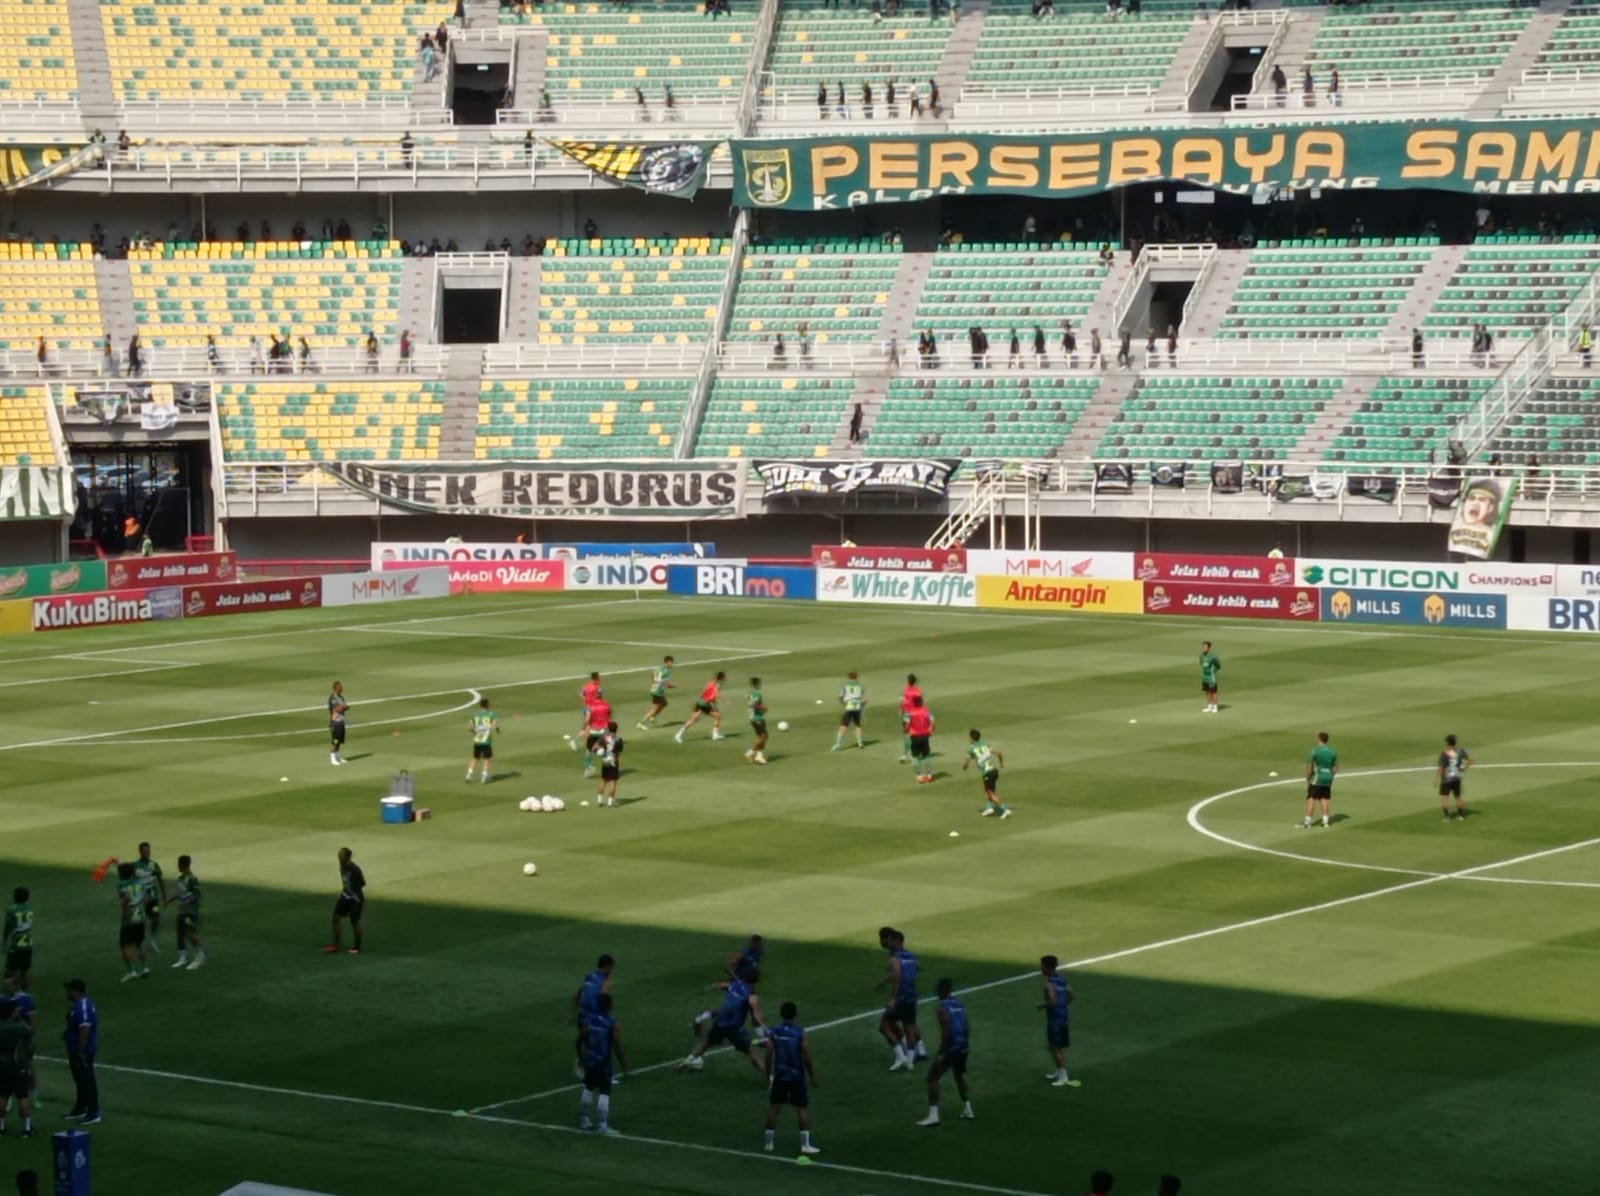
29,165
1443,490
1165,473
1227,477
1485,504
1376,486
662,168
1113,477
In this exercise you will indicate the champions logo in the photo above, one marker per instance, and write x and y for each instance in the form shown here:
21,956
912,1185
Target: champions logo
1076,597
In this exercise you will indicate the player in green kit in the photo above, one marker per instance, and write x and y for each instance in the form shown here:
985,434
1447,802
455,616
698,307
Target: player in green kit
1210,666
660,682
337,707
131,900
989,762
1322,765
186,892
485,724
853,697
155,895
757,704
19,936
1453,761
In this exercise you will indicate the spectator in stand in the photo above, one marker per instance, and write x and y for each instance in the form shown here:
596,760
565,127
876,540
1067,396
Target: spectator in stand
1150,358
547,113
406,146
1069,346
43,355
380,230
135,357
843,108
668,100
405,351
914,102
639,101
803,333
460,14
242,233
1030,228
1418,360
213,357
430,64
1586,346
1014,357
371,346
866,100
891,109
258,364
780,352
1280,86
933,99
1125,351
297,232
1333,86
822,101
1172,346
266,231
108,357
856,418
1308,87
124,142
590,230
441,37
1041,354
1107,257
978,347
342,231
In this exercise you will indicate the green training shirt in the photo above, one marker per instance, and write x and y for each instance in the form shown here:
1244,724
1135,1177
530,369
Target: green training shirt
1323,760
658,681
131,895
758,706
853,694
484,724
187,891
149,874
983,755
19,927
1210,666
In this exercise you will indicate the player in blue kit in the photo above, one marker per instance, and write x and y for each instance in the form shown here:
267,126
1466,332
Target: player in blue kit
788,1068
899,1022
602,1039
954,1042
739,1002
1057,997
587,999
746,961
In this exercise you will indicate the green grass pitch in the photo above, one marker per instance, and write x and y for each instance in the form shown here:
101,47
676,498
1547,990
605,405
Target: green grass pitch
1396,1003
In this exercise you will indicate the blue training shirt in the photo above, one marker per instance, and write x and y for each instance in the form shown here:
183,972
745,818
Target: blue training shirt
788,1051
82,1013
597,1041
26,1007
958,1040
1057,1013
735,1006
908,976
747,963
593,983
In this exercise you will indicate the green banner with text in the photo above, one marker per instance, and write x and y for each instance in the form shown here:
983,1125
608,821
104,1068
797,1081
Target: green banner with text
1541,157
29,165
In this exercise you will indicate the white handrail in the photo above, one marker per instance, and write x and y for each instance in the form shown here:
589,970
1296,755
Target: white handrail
189,362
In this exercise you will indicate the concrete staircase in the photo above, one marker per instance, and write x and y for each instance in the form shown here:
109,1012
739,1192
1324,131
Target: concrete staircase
1102,313
429,93
1295,48
529,61
1175,83
958,54
527,274
417,285
97,100
482,14
1216,292
1523,54
458,431
115,285
898,323
1115,386
1424,292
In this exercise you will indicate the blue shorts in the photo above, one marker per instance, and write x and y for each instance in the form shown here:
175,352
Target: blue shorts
1057,1036
734,1036
904,1011
597,1079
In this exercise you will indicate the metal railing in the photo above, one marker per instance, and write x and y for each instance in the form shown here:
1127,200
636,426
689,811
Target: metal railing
1269,57
617,357
689,113
371,112
181,364
1449,94
40,113
695,408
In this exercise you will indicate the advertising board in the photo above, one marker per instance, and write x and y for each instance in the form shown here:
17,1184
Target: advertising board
1102,566
467,577
688,550
1485,577
1578,581
1078,594
900,588
246,597
417,552
35,581
910,560
1211,569
621,573
1416,608
1535,612
16,618
733,579
1234,601
195,568
64,612
395,585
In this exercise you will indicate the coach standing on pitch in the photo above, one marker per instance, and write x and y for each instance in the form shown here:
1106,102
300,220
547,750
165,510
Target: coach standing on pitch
83,1040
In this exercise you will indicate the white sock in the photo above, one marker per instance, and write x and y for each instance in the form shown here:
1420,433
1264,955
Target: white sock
1324,820
603,1108
584,1099
769,1138
966,1107
805,1137
933,1112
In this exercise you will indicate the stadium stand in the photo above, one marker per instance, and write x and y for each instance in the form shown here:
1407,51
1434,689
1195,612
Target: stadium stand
328,292
1559,424
1075,51
1405,419
580,418
1000,287
602,52
378,420
779,417
1207,418
839,288
25,427
329,51
813,44
1513,283
652,291
1575,44
1314,289
1415,42
48,291
980,417
40,64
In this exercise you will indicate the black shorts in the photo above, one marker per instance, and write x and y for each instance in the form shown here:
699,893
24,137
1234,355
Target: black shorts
610,772
790,1092
658,699
19,960
991,781
1322,791
349,907
706,707
734,1036
1058,1037
922,745
152,911
851,718
131,935
188,923
483,751
759,726
1450,788
955,1063
592,740
903,1011
336,732
17,1082
597,1079
1207,686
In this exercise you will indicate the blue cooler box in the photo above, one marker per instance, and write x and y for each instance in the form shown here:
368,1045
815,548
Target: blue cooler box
71,1148
398,809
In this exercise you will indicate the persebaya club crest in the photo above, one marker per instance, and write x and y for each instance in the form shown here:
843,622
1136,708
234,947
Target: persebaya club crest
769,178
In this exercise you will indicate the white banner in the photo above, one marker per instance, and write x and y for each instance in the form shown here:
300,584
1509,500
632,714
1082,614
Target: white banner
901,589
1486,577
395,585
1098,566
623,573
1578,581
386,554
1530,612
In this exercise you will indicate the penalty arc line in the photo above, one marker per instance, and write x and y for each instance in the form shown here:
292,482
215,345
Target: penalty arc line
1129,952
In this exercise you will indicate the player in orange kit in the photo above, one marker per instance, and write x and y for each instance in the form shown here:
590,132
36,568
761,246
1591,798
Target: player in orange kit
704,705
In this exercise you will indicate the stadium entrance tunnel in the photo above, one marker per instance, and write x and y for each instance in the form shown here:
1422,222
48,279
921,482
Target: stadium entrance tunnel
478,89
470,315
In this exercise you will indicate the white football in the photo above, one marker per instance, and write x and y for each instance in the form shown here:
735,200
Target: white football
530,869
561,803
523,804
547,804
783,726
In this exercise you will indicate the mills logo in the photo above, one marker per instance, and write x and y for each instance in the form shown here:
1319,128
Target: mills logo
1433,609
1339,604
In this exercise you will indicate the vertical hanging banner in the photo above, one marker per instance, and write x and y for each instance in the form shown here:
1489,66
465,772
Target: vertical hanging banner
1485,506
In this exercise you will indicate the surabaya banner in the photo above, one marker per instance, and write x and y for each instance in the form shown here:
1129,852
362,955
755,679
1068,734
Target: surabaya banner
831,479
37,491
1015,593
900,589
191,568
1536,157
1210,568
245,597
542,490
1102,566
29,165
908,560
1232,601
1489,577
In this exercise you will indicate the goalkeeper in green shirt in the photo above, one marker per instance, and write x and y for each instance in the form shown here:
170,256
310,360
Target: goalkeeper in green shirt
853,697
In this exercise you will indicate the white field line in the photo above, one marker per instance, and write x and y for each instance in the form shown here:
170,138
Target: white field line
551,639
151,668
1128,953
1199,807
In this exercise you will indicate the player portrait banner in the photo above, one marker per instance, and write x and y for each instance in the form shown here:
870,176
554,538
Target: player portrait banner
1536,157
245,597
37,492
1231,601
896,588
1168,474
1485,505
907,560
677,168
1414,608
33,581
541,490
1213,570
192,568
1077,595
29,165
1101,566
832,479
